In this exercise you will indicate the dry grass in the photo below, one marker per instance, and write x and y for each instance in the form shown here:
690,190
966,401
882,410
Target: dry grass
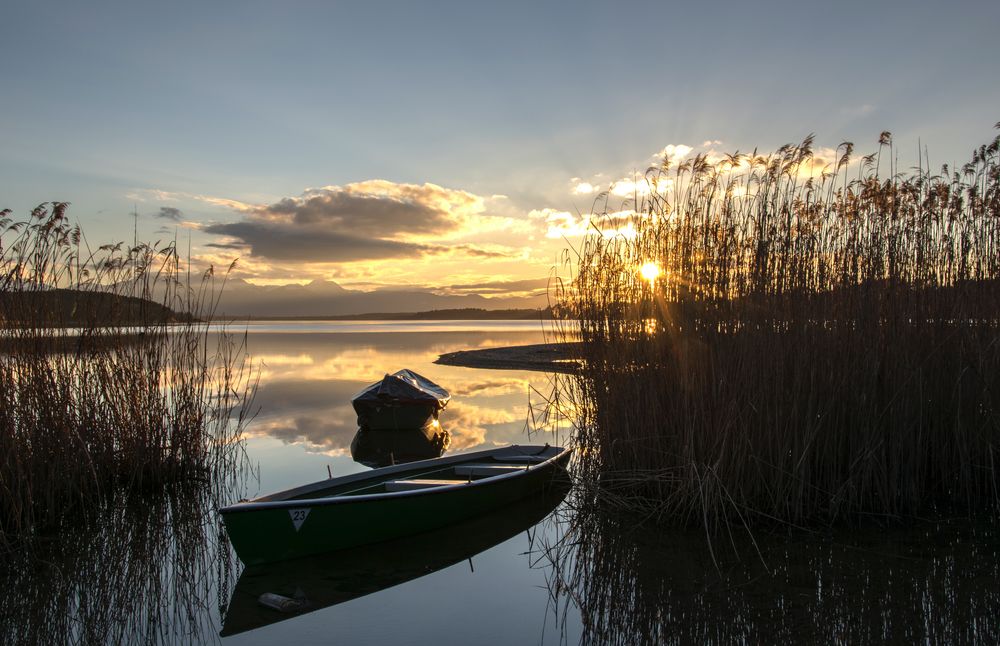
107,390
821,343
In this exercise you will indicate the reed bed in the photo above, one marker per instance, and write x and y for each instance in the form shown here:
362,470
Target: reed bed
105,386
820,343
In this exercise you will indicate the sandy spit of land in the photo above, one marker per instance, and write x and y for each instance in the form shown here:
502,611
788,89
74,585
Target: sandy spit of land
544,357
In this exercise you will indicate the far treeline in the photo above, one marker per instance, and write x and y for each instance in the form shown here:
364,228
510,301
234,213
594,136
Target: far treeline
811,341
78,308
467,314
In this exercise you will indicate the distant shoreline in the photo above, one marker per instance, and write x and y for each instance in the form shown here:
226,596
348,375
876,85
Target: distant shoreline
542,357
465,314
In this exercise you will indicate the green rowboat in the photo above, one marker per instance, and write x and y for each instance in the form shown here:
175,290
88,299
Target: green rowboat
310,584
388,503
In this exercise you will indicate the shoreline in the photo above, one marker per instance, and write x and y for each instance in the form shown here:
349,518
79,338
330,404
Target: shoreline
542,357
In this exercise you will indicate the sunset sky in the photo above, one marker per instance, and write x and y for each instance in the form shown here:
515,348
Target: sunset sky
447,145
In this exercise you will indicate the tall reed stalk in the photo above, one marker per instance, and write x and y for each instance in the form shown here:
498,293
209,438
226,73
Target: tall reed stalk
821,343
104,386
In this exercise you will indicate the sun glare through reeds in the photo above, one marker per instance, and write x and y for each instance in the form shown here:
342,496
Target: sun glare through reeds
827,345
650,271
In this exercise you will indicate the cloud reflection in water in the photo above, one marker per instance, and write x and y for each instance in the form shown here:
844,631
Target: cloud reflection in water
308,380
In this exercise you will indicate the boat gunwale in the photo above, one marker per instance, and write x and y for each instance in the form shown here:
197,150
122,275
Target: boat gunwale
258,504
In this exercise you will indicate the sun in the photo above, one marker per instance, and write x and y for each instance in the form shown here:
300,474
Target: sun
650,271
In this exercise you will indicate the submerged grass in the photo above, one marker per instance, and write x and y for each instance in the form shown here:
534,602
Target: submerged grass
820,343
104,387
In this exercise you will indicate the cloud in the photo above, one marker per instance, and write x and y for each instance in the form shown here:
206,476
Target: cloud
379,208
491,387
474,250
329,433
500,287
673,152
640,187
289,241
563,224
469,424
169,213
235,205
157,195
370,220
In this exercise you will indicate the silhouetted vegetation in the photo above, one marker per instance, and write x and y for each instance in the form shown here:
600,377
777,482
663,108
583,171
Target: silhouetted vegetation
77,308
822,340
90,409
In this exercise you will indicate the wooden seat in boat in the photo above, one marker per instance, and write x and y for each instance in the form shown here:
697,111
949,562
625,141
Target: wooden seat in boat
487,469
417,483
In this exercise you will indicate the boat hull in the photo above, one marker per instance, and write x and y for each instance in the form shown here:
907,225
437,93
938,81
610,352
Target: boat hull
323,581
388,416
276,531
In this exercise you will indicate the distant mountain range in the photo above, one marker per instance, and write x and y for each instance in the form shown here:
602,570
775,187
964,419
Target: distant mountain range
240,299
320,299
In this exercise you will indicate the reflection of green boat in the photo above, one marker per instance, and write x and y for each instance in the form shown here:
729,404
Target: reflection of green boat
322,581
384,448
387,503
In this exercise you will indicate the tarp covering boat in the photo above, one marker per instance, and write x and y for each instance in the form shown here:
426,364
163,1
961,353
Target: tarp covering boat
404,386
403,399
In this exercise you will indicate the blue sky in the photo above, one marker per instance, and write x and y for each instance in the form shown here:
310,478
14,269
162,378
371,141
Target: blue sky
217,108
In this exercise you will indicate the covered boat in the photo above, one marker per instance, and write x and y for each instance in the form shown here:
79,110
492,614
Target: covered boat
388,503
402,400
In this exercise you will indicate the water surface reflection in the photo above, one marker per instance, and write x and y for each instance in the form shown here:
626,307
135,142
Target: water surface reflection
935,583
308,379
157,570
144,568
384,448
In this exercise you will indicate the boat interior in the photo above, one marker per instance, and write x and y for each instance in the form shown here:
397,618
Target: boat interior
424,477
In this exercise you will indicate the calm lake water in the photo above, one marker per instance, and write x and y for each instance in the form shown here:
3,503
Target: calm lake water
159,569
306,423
